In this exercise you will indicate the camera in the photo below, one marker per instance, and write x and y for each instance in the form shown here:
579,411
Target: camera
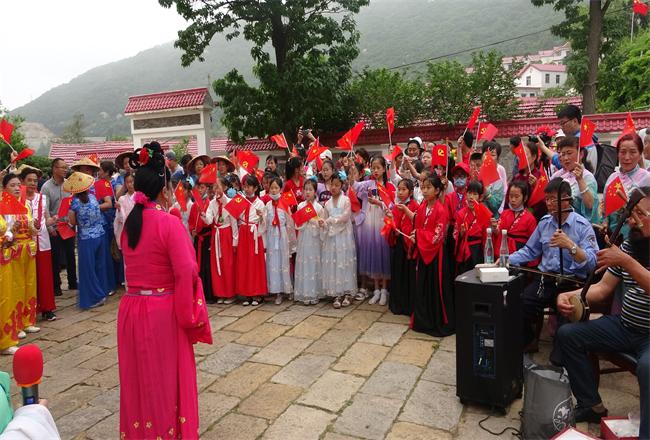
533,138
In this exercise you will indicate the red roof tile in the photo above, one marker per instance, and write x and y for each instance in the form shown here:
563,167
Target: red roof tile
550,67
166,100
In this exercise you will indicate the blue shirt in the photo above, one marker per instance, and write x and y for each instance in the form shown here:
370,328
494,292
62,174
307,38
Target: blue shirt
579,231
89,218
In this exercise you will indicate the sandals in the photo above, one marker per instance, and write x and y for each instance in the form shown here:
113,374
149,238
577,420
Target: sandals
245,303
346,301
337,302
256,301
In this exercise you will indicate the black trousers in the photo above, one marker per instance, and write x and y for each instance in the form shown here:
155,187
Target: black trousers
65,249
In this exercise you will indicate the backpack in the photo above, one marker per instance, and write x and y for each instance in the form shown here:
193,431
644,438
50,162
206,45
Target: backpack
607,162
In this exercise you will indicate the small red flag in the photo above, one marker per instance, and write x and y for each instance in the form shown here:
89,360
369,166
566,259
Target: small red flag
520,153
294,152
209,174
488,172
64,230
487,132
397,150
538,193
639,7
288,199
354,200
483,213
237,205
179,193
94,158
472,120
315,151
587,129
280,140
389,226
24,153
628,129
614,201
439,155
64,207
390,120
198,200
6,129
386,196
350,137
9,205
248,160
103,189
304,214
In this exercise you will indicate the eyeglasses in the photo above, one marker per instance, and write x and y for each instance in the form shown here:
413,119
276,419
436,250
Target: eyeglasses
564,121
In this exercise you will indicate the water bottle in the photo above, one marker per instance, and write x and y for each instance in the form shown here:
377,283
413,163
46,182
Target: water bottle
504,253
488,252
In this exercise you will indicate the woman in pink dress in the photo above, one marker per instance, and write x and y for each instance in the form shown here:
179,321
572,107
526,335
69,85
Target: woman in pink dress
162,314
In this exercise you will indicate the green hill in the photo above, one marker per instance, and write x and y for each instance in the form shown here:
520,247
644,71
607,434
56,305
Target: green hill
393,32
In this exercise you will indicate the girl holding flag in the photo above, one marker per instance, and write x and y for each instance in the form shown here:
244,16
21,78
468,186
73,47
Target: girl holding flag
224,241
202,232
515,219
280,236
374,253
469,230
529,173
308,280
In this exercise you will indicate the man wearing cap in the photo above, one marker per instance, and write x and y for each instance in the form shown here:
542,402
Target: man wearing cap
172,163
53,190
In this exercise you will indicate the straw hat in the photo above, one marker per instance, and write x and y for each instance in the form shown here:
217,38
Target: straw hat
204,157
86,161
24,168
119,160
231,166
78,183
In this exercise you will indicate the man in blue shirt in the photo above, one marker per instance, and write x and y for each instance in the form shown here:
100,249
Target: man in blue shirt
577,240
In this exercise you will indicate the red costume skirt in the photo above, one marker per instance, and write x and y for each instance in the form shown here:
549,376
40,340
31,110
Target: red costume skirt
44,282
251,266
223,275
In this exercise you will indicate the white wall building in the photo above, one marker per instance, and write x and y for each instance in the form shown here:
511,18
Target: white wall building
533,79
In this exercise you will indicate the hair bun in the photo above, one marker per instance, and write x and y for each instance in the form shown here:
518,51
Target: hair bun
150,155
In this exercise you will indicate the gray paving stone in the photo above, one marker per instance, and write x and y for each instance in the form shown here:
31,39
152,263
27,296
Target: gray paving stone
109,428
368,416
299,423
441,368
334,342
384,333
281,351
293,315
393,380
109,400
227,359
434,405
303,370
212,407
80,420
332,390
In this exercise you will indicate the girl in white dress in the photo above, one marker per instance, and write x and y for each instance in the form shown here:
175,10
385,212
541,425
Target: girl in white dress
279,235
308,278
339,258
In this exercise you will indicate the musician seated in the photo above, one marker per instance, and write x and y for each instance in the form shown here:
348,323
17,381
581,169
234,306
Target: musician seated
574,241
628,332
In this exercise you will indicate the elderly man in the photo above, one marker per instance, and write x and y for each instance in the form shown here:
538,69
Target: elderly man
628,332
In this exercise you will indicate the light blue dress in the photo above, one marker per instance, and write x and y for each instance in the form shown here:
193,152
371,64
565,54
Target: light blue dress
339,258
278,276
308,277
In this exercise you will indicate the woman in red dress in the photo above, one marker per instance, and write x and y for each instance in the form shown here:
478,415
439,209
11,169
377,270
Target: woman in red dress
161,316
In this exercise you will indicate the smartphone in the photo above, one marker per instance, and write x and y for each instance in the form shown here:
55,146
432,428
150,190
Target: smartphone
373,192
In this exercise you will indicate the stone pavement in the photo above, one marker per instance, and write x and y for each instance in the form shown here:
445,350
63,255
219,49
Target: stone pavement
285,372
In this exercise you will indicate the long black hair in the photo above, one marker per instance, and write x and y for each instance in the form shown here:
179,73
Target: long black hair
150,179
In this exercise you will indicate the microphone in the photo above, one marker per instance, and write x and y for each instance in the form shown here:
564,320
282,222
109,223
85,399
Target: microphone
28,371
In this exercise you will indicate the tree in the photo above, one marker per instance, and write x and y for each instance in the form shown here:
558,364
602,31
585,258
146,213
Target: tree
447,95
18,143
376,90
624,75
73,133
591,32
312,51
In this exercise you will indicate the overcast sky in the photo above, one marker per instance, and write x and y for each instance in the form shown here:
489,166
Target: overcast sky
46,42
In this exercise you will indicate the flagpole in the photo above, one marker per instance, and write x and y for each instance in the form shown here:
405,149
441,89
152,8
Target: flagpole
632,27
478,133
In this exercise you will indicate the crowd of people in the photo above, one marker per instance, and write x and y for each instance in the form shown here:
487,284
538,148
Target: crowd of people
394,229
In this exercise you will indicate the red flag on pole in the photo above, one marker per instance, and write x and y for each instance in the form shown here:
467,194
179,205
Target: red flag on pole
237,205
385,195
304,214
294,152
439,155
9,205
390,120
209,174
614,199
472,120
179,193
397,150
487,132
94,158
350,137
64,207
288,199
639,7
488,173
280,140
537,195
389,226
6,129
587,129
520,153
354,200
103,189
315,151
248,160
628,129
24,154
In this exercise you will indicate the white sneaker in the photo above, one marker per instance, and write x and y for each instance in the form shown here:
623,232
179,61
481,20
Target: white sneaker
10,351
361,295
384,297
32,329
229,301
22,335
375,297
278,299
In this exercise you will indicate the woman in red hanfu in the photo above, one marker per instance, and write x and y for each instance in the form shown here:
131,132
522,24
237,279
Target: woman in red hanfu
161,316
433,301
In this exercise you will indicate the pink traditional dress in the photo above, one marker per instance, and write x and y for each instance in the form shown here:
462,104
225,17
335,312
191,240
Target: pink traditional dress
160,317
